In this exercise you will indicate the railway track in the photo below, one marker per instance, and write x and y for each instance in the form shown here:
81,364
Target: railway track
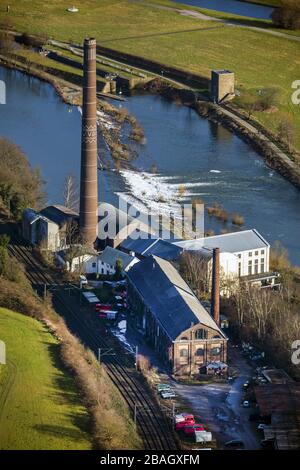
151,423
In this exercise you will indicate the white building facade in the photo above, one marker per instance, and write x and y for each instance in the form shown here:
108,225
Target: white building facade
244,254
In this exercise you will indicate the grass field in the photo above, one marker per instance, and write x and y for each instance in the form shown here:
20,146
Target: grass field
39,405
258,59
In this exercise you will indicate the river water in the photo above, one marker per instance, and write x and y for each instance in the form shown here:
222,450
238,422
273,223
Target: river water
209,161
233,6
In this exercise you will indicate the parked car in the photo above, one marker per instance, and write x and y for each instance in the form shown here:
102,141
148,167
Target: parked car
237,443
161,387
182,424
83,280
190,429
102,307
182,417
246,404
261,426
267,443
167,394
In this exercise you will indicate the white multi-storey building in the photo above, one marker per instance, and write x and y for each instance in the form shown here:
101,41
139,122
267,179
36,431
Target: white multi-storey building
242,254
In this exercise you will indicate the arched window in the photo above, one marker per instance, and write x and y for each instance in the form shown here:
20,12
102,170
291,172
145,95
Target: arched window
183,338
217,336
199,352
200,334
184,353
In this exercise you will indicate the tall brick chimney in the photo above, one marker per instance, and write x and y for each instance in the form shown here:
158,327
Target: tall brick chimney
88,180
215,288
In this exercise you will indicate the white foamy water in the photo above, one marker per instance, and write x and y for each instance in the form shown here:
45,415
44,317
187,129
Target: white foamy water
103,120
155,192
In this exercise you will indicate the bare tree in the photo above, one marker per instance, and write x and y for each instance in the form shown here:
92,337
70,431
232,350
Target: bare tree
71,193
194,270
286,131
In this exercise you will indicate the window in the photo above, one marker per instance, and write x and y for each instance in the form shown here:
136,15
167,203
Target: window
250,254
262,266
215,351
184,352
250,267
256,266
240,269
184,338
239,255
256,253
93,265
201,334
262,252
199,352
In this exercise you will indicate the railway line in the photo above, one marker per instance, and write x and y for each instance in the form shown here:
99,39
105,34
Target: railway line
151,423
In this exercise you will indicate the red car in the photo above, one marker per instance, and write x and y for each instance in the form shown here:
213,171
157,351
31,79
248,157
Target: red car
189,430
102,307
179,426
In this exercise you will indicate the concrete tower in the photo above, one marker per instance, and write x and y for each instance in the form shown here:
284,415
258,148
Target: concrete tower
215,289
88,179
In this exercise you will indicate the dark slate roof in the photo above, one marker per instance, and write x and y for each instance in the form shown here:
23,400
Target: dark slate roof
59,214
138,245
153,246
165,250
168,296
111,255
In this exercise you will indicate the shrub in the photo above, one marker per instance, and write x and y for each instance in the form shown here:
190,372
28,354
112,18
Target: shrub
32,41
237,219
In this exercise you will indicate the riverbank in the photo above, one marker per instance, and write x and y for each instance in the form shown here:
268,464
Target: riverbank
255,135
68,87
152,30
250,131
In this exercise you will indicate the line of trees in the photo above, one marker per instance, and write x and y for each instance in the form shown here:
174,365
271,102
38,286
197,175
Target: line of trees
20,185
287,15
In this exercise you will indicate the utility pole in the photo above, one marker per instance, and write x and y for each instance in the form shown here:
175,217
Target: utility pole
99,355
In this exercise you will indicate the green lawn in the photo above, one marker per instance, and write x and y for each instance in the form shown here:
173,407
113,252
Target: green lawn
39,405
258,59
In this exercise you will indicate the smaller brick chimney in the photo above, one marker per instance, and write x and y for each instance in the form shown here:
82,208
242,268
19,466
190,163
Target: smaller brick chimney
215,288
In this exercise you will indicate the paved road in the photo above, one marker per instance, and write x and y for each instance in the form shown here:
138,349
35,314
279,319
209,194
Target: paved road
219,406
201,16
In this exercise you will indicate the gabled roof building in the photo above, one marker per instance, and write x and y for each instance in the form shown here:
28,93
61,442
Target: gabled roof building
172,319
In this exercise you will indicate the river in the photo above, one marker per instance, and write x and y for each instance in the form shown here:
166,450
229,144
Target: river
212,163
232,6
